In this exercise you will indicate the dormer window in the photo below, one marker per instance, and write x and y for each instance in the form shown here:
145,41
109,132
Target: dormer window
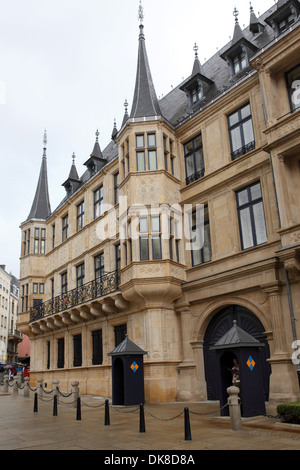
285,23
239,62
284,16
196,94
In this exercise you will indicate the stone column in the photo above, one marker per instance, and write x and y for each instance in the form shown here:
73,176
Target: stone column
283,380
55,384
75,393
187,368
26,387
39,387
234,408
15,387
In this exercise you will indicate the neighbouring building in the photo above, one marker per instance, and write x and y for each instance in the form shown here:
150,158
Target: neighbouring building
125,253
9,298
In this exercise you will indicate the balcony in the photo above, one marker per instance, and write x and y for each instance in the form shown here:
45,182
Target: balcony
107,284
243,150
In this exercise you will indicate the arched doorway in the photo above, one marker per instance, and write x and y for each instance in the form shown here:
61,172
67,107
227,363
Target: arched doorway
217,328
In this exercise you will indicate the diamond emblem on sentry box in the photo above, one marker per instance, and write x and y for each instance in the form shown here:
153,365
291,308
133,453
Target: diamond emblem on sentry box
134,366
251,363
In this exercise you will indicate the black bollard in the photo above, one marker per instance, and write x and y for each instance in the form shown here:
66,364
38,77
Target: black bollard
78,412
55,405
187,426
35,406
142,418
106,418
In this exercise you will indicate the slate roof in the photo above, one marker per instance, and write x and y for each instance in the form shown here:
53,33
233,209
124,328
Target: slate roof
236,338
127,348
41,204
175,107
145,101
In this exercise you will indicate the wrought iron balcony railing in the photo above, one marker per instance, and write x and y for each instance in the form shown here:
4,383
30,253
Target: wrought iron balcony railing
105,285
243,150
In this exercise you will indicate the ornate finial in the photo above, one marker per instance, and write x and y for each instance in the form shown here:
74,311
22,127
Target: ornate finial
45,138
196,48
126,106
251,7
141,12
97,135
73,158
236,14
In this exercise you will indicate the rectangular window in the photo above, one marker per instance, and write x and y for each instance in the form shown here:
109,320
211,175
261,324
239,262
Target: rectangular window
97,347
116,188
80,216
200,236
60,353
293,85
251,216
53,236
118,257
80,275
43,247
98,202
36,246
42,288
152,160
65,226
241,132
99,266
77,350
156,237
48,355
140,141
64,283
120,333
140,161
194,159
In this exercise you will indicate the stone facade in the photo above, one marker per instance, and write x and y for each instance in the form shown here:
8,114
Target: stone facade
166,301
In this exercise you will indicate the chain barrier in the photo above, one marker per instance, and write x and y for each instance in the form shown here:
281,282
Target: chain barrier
164,419
126,412
48,392
62,394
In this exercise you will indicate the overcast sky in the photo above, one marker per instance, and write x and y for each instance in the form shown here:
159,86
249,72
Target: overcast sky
69,65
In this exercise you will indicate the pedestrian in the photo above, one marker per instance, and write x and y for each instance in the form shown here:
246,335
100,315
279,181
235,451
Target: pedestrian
235,371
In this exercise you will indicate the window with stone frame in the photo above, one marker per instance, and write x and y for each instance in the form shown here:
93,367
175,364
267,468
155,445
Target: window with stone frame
241,131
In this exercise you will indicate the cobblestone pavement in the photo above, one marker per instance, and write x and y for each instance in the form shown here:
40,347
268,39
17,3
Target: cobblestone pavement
23,429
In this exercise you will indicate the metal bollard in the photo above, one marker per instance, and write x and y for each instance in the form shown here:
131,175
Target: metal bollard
106,418
55,405
78,412
142,418
187,425
35,405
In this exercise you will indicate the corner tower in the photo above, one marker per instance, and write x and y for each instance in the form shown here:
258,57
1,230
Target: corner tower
152,263
33,247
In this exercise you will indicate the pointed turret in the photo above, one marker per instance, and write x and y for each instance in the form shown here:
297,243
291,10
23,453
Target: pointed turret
126,115
145,103
240,50
41,204
114,132
197,85
96,160
255,25
73,181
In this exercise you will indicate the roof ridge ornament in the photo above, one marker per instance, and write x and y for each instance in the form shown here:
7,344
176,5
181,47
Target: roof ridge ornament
45,144
236,14
141,13
196,48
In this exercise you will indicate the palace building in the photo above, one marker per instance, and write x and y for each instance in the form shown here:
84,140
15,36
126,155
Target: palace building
184,228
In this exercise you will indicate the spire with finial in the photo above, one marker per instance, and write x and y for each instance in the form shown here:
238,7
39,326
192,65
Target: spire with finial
41,204
145,103
115,131
197,65
126,115
255,25
45,145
